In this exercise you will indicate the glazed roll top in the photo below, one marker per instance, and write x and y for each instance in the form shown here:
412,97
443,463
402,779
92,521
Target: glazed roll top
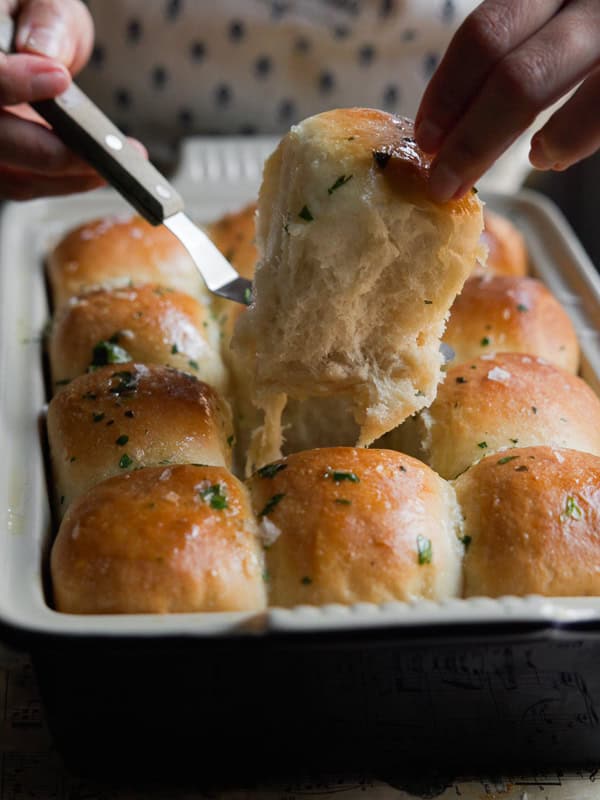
115,251
357,271
157,540
147,324
506,248
498,402
504,314
123,417
345,525
532,523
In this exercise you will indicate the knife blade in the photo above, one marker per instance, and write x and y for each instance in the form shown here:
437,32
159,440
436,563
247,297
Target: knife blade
86,130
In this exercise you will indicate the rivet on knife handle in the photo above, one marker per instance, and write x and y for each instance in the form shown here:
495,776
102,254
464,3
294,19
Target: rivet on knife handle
86,130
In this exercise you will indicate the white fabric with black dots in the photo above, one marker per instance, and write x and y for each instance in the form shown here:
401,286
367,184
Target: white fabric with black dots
164,69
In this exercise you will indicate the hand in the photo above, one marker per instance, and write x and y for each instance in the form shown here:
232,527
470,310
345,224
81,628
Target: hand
510,60
53,41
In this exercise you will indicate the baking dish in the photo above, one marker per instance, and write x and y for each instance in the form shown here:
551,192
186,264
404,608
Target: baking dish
388,685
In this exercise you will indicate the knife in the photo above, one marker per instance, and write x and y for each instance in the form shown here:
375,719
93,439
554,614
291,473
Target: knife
80,124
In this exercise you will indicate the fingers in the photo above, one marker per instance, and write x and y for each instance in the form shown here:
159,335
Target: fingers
573,132
488,34
23,185
59,29
29,146
25,78
523,83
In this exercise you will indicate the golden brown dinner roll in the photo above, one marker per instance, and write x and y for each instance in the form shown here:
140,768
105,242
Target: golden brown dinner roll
148,324
116,250
346,525
123,417
532,523
497,402
504,314
161,539
507,251
357,270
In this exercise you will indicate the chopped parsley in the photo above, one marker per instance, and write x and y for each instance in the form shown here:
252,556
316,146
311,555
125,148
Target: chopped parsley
72,459
342,501
266,576
270,470
247,295
482,445
98,417
534,409
125,461
306,581
514,441
506,459
215,496
338,476
127,382
572,510
428,302
277,498
522,308
129,413
109,352
305,214
122,440
460,379
174,349
230,440
485,341
193,364
381,158
424,549
466,540
343,179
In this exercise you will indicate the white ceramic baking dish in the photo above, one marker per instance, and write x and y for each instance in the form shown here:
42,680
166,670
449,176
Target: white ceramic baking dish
215,176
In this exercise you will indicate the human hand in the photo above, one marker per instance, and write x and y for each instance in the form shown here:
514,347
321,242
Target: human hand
510,60
53,40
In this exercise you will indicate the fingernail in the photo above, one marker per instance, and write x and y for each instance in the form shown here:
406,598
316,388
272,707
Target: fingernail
428,136
50,82
44,40
443,183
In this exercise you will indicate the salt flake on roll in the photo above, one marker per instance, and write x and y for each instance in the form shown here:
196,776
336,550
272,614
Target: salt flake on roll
357,271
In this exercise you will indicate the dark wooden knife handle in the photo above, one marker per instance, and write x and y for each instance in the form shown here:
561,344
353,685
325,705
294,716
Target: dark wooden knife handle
81,125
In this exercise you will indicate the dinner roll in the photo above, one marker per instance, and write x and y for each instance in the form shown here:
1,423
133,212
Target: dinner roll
532,523
357,271
346,525
116,250
507,251
123,417
497,402
148,324
501,313
158,540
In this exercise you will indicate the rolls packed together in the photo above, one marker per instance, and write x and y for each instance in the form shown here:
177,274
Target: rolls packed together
481,476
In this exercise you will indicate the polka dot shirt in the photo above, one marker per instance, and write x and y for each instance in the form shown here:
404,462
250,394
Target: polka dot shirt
164,69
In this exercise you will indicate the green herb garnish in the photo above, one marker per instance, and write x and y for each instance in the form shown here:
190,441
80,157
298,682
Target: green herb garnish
215,496
270,470
522,308
247,295
485,341
506,459
122,440
305,214
193,364
466,540
230,440
342,501
306,581
129,413
127,382
339,182
534,409
428,302
109,352
174,349
338,476
277,498
572,510
424,549
98,417
125,461
482,445
460,379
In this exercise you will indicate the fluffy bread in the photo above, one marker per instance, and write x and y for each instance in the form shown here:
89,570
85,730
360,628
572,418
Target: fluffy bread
124,417
346,525
159,540
494,403
358,269
114,252
532,523
504,314
148,324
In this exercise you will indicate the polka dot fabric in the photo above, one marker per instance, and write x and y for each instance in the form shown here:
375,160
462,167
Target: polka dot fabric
171,68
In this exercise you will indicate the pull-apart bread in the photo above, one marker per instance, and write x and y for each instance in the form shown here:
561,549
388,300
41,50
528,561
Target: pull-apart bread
357,271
